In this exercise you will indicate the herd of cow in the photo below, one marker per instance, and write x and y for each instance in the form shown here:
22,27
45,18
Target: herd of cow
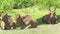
26,21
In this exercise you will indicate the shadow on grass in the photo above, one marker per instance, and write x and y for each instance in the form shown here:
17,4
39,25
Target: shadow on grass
39,21
58,18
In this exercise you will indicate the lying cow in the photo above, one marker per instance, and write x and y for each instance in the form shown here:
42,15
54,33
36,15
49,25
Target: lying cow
50,18
12,24
4,18
7,22
30,22
19,21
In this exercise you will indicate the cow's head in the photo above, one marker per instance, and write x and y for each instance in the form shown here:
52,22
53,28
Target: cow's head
4,16
52,12
18,18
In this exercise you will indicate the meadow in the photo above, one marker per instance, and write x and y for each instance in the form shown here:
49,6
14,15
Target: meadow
36,13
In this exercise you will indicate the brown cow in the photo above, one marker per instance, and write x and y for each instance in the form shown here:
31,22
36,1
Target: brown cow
30,22
4,18
50,18
19,21
12,24
7,22
25,22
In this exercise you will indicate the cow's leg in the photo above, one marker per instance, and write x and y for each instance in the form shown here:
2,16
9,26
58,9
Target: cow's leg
28,26
49,22
12,28
55,22
22,26
7,27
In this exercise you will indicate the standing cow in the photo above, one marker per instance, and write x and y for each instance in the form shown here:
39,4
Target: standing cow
50,18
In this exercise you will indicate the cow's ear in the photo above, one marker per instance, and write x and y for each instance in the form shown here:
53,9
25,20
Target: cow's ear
6,14
49,9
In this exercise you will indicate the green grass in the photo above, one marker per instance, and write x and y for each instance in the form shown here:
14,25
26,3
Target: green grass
36,13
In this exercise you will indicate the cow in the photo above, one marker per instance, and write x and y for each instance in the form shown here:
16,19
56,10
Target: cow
12,24
30,22
25,22
4,19
19,21
7,22
50,18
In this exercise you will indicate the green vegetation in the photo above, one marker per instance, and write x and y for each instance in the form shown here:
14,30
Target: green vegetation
7,5
36,9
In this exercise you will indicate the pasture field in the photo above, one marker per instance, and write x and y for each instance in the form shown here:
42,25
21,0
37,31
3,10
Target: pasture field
36,13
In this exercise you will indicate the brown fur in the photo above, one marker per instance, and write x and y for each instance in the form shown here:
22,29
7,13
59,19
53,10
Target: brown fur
30,22
4,18
50,18
12,24
19,21
8,21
